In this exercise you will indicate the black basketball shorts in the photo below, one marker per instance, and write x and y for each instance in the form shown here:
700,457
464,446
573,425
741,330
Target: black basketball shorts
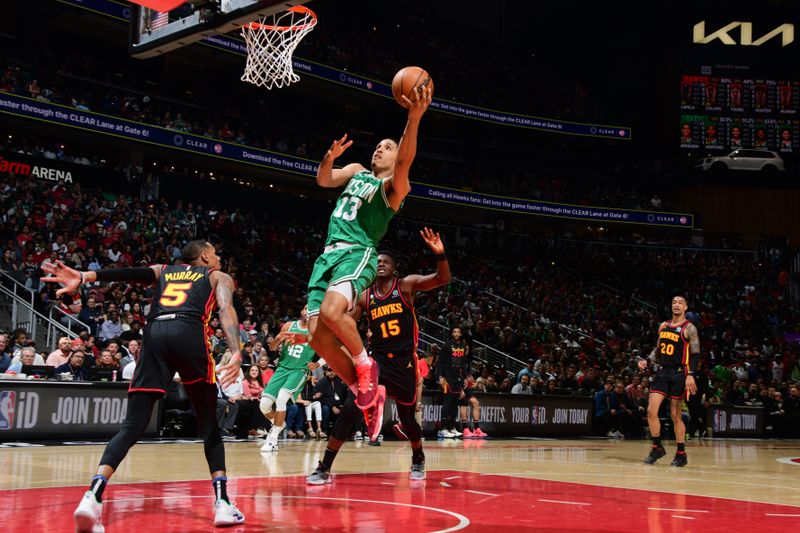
399,374
670,382
168,346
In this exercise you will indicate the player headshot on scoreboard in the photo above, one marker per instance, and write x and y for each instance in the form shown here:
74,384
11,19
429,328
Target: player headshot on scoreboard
711,134
736,136
786,96
686,133
786,140
761,97
686,93
711,95
735,96
761,137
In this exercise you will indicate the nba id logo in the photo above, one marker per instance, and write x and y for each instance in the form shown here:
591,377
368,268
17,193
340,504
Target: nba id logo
538,415
8,403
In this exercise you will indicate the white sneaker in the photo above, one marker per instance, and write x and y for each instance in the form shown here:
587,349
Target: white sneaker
269,445
88,516
358,436
226,514
446,434
456,433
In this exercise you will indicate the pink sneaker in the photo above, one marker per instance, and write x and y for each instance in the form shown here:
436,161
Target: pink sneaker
468,434
367,385
479,434
374,415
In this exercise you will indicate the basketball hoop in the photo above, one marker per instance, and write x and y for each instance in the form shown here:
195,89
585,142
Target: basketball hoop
271,43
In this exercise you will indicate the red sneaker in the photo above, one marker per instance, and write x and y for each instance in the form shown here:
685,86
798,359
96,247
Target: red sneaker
367,385
399,431
374,415
479,434
468,434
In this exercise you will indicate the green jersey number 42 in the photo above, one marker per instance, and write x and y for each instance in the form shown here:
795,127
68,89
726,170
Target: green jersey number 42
295,351
347,208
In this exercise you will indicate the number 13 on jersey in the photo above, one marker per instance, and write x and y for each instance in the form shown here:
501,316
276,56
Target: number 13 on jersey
347,208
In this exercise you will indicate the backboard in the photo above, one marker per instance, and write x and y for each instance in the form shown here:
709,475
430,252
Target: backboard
153,33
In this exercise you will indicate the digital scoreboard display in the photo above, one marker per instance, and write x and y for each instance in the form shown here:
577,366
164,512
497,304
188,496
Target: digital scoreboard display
726,113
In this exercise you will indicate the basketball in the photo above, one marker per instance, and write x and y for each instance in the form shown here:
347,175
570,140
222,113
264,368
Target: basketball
410,79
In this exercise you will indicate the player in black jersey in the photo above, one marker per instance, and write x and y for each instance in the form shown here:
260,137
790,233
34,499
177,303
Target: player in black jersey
389,305
175,339
675,359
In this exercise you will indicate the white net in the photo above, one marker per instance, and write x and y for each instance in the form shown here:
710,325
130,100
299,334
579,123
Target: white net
271,43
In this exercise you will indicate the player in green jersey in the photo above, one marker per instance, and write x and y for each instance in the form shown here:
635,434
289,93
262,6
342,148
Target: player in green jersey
290,377
369,200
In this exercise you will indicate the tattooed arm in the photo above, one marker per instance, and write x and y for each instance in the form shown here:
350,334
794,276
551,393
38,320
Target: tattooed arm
230,325
694,356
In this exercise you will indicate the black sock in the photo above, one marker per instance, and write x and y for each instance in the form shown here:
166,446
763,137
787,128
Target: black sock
417,456
682,447
97,486
657,442
475,425
327,459
221,488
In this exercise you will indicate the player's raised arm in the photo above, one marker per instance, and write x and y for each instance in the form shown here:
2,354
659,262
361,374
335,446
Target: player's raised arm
327,176
230,325
407,150
72,279
442,276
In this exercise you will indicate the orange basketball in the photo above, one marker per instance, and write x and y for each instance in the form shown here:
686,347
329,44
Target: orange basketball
410,80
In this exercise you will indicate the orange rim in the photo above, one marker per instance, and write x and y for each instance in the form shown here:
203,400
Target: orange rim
297,27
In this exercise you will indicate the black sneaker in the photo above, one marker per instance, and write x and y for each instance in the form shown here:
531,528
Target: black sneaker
375,442
655,454
680,459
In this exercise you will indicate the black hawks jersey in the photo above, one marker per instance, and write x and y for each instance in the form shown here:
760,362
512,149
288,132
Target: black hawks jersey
184,289
391,321
672,350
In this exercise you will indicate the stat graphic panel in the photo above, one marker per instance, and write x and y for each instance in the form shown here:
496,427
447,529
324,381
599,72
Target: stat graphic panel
726,113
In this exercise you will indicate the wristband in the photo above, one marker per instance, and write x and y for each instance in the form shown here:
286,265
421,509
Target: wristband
81,273
441,257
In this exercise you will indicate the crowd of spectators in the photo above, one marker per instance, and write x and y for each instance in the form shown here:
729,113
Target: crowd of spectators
551,307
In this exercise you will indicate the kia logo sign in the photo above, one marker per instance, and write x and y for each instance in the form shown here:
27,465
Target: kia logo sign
699,36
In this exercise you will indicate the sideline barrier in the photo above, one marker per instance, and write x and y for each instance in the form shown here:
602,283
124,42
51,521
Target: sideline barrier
72,410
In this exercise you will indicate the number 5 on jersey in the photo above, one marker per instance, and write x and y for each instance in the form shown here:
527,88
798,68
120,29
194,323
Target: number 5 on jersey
175,294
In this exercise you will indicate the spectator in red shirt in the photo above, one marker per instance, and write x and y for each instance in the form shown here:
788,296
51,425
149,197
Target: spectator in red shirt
266,371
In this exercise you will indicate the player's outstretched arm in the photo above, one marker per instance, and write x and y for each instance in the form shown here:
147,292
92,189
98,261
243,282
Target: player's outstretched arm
71,279
400,184
275,343
230,325
327,176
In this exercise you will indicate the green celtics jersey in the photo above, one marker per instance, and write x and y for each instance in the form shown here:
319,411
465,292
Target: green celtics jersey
362,212
295,356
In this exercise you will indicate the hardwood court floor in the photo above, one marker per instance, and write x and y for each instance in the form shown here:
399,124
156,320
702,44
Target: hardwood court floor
532,485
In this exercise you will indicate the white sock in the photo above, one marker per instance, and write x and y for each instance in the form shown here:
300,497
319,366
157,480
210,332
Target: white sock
361,359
